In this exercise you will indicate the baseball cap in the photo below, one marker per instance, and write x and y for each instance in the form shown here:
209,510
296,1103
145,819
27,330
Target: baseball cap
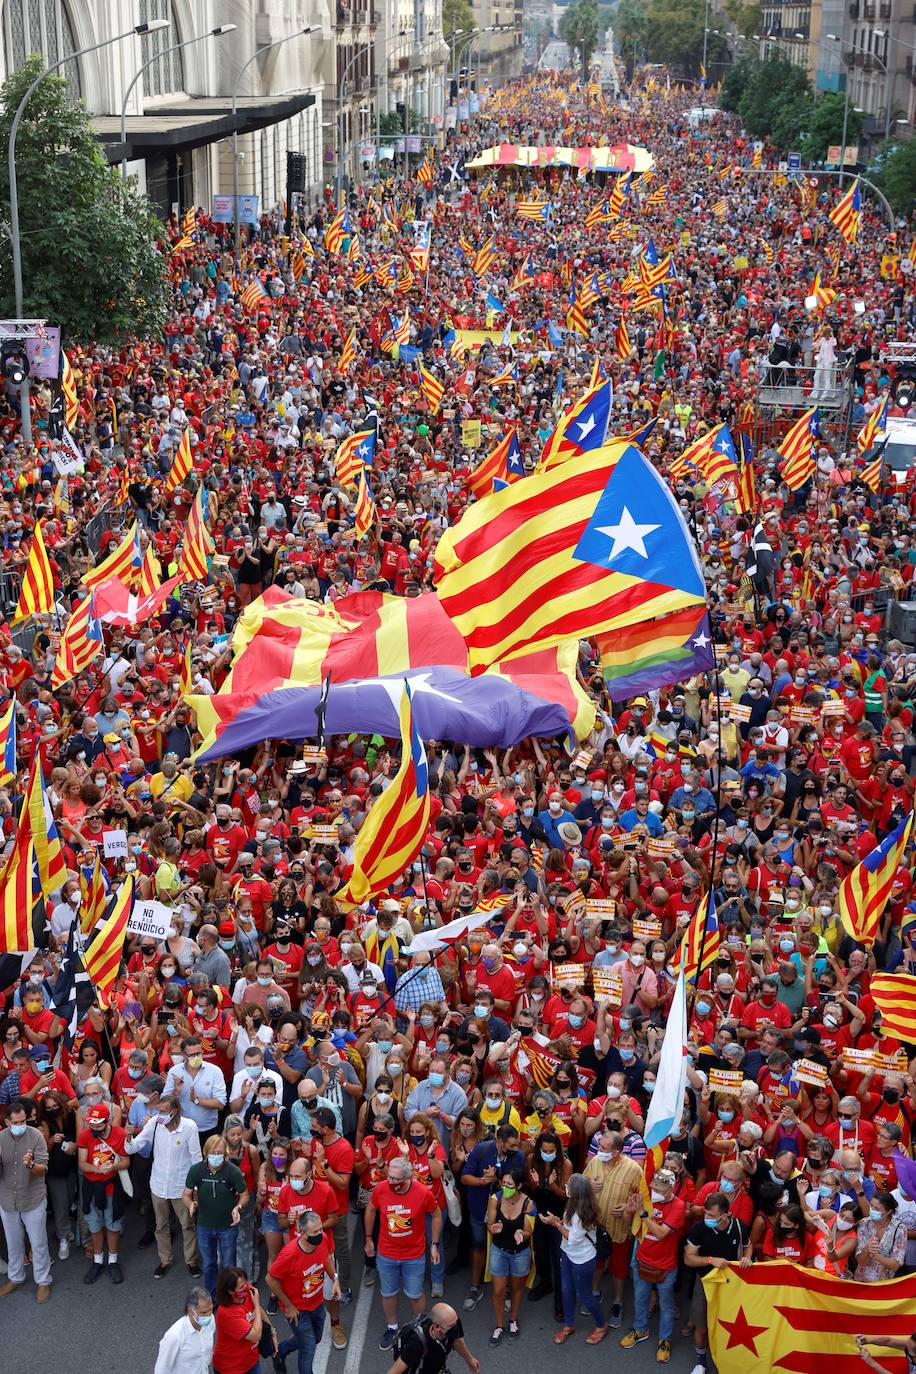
227,927
100,1112
38,1052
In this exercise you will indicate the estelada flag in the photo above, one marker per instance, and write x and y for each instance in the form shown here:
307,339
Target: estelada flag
864,893
781,1316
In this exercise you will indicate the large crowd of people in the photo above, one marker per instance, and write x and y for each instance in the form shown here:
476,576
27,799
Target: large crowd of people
275,1064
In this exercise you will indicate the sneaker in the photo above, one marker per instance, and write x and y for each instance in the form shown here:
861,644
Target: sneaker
370,1274
633,1338
388,1338
161,1270
497,1337
699,1369
616,1317
473,1299
195,1271
663,1353
114,1272
346,1297
93,1273
63,1250
514,1332
338,1337
436,1290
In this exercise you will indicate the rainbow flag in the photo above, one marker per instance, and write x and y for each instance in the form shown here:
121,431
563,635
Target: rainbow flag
656,653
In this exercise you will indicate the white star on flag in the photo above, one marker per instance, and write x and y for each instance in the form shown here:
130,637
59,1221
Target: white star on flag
701,640
585,427
627,534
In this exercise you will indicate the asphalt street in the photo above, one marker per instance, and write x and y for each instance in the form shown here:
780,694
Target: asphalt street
109,1330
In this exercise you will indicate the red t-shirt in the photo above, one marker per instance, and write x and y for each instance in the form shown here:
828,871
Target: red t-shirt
232,1353
301,1274
101,1152
321,1199
663,1253
340,1157
403,1219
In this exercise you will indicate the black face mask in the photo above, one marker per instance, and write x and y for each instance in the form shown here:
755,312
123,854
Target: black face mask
891,1095
312,1241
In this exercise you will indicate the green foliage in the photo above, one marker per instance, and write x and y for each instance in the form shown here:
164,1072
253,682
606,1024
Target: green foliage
391,125
897,177
735,83
824,126
631,27
770,102
579,28
673,34
89,257
457,16
745,15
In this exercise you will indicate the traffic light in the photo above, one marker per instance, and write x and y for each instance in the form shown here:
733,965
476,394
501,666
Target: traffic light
14,362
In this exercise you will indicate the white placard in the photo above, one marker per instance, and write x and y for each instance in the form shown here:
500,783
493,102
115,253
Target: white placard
152,919
114,844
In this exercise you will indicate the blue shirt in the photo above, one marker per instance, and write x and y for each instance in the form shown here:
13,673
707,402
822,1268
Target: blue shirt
551,825
632,818
482,1157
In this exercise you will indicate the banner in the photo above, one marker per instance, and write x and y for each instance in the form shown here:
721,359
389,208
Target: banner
781,1316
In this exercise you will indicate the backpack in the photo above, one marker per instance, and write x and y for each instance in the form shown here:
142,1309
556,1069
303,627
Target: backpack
402,1341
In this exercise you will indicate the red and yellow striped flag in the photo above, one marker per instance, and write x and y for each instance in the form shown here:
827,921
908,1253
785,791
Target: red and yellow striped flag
186,678
746,489
123,563
198,544
485,257
871,476
365,514
689,950
80,642
16,896
876,421
864,892
150,573
433,390
797,450
895,997
93,894
102,956
182,464
353,456
624,347
348,352
36,595
68,388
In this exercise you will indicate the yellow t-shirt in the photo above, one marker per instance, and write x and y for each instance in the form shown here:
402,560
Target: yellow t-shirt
179,788
493,1119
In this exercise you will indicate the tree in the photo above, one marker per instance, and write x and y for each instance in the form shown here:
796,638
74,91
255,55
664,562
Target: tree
631,28
824,126
457,17
770,97
579,28
746,15
90,260
675,36
736,81
897,177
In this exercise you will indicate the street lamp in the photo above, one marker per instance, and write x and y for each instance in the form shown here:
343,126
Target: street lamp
259,52
150,26
213,33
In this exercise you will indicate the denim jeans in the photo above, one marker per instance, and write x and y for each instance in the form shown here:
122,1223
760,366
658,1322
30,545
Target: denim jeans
305,1338
641,1292
217,1250
576,1280
436,1271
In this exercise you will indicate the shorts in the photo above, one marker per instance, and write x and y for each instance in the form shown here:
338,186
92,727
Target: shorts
698,1315
270,1221
618,1265
503,1265
478,1233
401,1276
98,1220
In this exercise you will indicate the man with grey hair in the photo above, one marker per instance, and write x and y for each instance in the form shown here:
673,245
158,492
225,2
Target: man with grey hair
187,1346
402,1205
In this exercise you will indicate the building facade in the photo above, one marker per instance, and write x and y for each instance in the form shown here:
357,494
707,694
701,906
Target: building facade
179,122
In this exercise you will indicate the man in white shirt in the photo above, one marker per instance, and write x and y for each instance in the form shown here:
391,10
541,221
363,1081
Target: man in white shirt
246,1081
187,1346
199,1086
176,1146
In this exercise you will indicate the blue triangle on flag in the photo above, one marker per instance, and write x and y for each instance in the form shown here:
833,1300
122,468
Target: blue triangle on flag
637,529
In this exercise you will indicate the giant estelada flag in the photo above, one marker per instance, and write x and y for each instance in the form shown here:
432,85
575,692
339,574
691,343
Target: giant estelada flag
780,1316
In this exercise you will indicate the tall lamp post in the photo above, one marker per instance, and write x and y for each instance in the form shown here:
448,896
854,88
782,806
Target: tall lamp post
188,42
151,26
259,52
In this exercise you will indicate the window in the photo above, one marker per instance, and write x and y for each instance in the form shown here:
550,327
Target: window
167,72
41,26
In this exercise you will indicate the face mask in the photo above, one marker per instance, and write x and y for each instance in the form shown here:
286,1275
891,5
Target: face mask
606,1156
527,812
395,1070
135,1073
227,945
875,1214
195,1061
313,960
597,794
656,1195
726,1117
436,1080
481,1010
214,1160
18,1128
627,1055
264,981
637,960
297,1185
711,1222
846,1123
649,1085
278,1161
42,1065
843,1225
703,1008
494,1103
830,1022
576,1021
555,808
625,1022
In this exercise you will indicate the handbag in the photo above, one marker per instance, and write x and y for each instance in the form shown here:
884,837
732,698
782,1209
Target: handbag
650,1273
602,1244
267,1345
452,1200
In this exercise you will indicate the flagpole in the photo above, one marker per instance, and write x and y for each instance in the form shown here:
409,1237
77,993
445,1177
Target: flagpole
715,829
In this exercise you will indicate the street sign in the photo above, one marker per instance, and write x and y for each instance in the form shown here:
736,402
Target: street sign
794,162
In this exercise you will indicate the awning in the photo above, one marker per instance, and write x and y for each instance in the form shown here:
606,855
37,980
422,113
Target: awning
193,123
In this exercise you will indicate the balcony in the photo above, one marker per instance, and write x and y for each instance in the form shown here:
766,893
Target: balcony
854,9
885,9
868,11
344,17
